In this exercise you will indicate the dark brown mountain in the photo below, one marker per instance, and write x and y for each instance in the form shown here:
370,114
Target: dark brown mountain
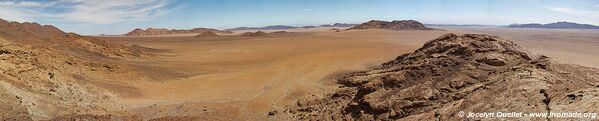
14,30
470,73
163,31
394,25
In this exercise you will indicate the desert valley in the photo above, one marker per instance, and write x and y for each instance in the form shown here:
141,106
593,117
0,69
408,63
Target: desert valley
371,70
289,74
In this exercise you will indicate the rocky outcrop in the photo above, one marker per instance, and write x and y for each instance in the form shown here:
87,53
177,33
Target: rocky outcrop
164,31
393,25
470,73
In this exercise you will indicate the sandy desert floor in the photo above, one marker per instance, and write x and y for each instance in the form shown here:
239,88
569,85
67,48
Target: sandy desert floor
237,77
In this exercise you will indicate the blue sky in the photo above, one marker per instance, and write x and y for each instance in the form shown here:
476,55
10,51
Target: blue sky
121,16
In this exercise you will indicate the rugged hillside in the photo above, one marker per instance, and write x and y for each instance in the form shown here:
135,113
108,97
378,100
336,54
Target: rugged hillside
470,73
29,33
556,25
45,73
95,48
43,83
37,36
163,31
394,25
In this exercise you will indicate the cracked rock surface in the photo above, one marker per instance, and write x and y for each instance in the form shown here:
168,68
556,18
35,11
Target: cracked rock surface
471,73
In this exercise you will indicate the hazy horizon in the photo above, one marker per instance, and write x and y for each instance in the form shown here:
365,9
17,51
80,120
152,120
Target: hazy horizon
118,17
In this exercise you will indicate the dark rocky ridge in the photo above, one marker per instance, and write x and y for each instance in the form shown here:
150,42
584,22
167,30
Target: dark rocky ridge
394,25
470,73
16,30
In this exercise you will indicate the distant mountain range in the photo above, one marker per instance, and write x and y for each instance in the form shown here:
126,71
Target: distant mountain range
459,25
163,31
278,27
556,25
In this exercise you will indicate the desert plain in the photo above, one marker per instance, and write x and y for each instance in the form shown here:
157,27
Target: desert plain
234,77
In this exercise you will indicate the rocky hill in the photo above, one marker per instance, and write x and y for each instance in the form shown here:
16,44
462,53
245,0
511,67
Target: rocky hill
164,31
46,73
27,30
556,25
471,73
393,25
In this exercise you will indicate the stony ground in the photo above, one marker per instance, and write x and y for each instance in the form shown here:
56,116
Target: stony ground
470,73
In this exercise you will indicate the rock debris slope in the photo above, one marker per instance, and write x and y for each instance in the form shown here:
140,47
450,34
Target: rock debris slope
470,73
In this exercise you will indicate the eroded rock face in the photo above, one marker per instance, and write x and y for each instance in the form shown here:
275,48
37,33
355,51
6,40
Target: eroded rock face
470,73
394,25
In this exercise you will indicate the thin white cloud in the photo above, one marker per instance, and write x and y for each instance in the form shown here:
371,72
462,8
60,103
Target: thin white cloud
86,11
576,12
19,4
